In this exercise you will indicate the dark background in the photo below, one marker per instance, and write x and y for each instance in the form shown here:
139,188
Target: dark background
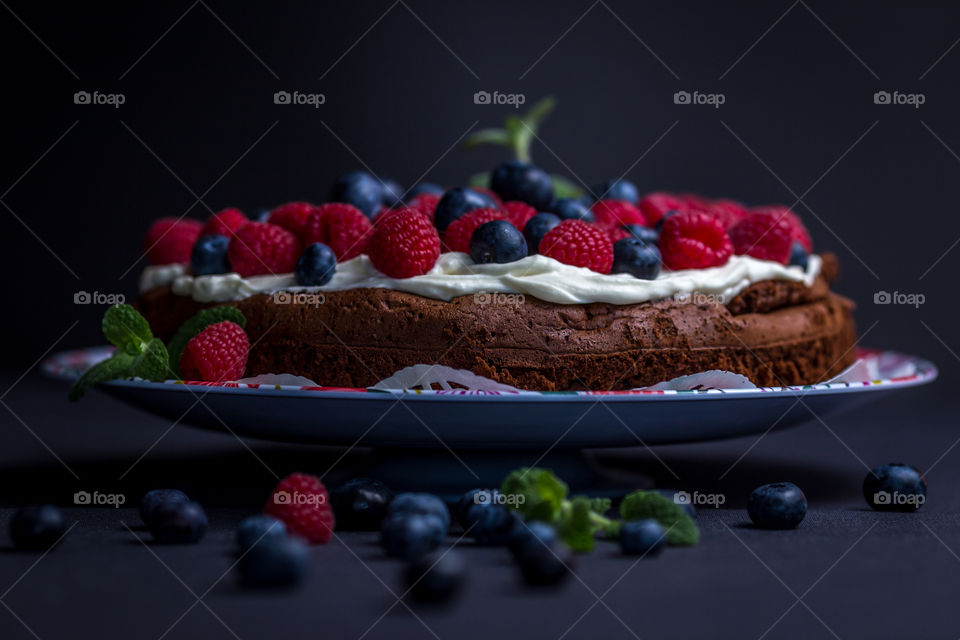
199,131
397,99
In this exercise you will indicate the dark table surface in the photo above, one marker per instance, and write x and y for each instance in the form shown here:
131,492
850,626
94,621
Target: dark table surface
847,572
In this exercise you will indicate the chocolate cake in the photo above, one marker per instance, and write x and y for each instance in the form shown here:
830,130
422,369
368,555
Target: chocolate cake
775,332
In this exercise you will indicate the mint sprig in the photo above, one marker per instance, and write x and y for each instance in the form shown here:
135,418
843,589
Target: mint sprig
681,528
197,323
138,353
518,134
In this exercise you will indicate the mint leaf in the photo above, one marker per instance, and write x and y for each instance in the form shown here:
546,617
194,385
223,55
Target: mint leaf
681,528
153,363
113,367
563,188
200,321
539,112
487,136
543,493
126,328
479,180
575,527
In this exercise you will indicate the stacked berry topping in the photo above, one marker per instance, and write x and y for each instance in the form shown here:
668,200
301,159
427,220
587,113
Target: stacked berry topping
611,229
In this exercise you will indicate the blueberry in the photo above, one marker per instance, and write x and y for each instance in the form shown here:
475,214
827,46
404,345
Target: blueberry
316,265
571,209
436,577
411,535
545,564
617,190
780,505
642,537
524,534
486,497
392,192
424,187
420,504
157,498
586,200
491,525
274,562
37,527
209,255
361,504
798,255
636,257
497,241
536,228
456,202
360,189
895,487
640,232
178,523
259,529
515,180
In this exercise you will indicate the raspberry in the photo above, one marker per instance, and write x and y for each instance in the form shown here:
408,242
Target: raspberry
404,244
216,354
342,227
617,233
616,213
694,240
224,223
292,216
579,243
301,502
425,203
654,205
457,236
727,212
798,231
518,213
260,247
764,235
170,240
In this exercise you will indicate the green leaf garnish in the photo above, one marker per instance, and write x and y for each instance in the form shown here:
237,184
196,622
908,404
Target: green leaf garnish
563,188
518,132
200,321
138,353
680,527
124,327
153,363
112,368
576,529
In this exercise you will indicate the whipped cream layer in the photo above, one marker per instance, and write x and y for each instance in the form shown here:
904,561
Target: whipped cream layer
455,274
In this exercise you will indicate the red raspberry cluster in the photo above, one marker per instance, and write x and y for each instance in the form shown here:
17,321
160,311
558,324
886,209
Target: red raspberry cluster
695,233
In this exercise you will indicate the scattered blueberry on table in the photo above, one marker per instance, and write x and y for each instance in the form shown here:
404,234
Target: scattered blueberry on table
361,504
484,497
780,505
37,527
420,504
491,525
895,487
411,535
532,533
275,561
436,577
545,564
153,500
178,523
642,537
257,529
